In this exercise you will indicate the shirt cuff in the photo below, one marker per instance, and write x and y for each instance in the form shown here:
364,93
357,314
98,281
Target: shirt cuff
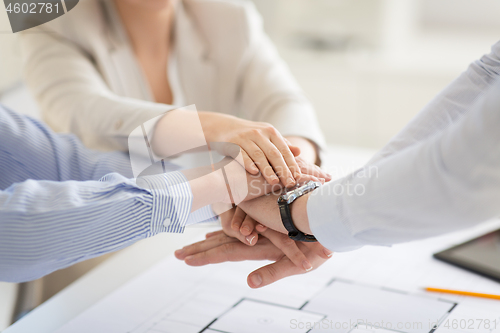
172,201
328,220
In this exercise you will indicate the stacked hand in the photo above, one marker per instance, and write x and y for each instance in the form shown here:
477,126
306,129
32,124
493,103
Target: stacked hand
238,241
264,149
268,162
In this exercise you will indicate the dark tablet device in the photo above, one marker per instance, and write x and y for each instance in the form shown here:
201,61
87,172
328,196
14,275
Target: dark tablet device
480,255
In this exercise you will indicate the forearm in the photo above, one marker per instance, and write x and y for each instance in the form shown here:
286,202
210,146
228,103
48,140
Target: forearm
265,210
208,190
447,182
184,129
47,226
228,184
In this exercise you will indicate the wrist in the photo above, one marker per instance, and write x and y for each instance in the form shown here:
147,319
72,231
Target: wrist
208,190
298,210
211,122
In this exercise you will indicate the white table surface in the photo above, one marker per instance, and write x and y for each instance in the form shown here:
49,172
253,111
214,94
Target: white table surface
136,259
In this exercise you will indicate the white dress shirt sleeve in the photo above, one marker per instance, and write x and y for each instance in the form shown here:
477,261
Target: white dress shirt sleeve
446,181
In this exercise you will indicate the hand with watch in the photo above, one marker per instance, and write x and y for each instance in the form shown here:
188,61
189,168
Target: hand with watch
284,202
257,231
287,257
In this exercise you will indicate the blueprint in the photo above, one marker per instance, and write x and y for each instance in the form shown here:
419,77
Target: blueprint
374,289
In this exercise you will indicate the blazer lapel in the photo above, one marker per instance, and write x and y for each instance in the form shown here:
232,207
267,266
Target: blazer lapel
196,70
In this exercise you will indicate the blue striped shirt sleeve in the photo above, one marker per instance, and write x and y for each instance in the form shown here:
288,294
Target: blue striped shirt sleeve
48,225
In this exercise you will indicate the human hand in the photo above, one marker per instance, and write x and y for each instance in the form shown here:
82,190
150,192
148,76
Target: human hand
230,184
311,170
237,224
242,186
290,258
265,210
264,148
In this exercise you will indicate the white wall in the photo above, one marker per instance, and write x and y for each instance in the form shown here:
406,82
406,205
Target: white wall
381,62
370,65
10,62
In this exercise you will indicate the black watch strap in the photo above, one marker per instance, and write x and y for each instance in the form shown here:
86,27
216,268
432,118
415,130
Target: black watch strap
293,232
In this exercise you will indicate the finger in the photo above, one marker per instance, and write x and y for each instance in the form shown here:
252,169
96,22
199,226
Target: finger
234,251
276,159
272,273
248,230
288,156
249,165
205,245
238,218
214,233
289,248
294,149
282,268
318,249
260,228
313,170
326,253
304,178
260,160
315,252
235,225
248,225
226,219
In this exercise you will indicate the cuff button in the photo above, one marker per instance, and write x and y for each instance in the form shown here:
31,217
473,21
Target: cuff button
167,222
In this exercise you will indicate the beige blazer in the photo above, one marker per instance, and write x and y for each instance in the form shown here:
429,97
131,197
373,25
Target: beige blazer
84,74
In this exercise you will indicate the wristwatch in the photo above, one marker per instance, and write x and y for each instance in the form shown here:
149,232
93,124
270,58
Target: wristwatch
284,202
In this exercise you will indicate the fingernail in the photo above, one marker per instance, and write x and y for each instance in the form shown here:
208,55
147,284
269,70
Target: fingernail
260,228
322,180
290,181
179,252
307,265
256,280
328,252
188,258
250,239
246,229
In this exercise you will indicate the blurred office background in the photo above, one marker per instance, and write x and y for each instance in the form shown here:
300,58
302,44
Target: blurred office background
367,65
